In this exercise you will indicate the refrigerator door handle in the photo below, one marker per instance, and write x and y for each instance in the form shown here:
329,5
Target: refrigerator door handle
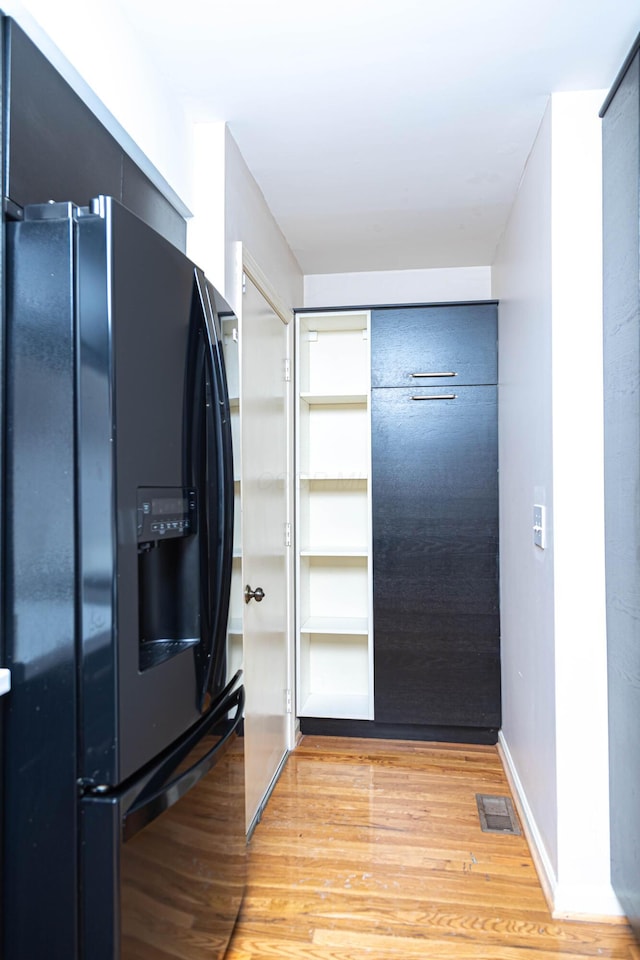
196,472
148,808
225,475
220,535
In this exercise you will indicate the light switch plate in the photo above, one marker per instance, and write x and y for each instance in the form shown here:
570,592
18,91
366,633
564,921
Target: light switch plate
539,526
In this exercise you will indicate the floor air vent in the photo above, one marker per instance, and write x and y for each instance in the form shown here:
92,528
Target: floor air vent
497,814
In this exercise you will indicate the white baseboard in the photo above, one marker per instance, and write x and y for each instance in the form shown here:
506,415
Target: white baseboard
541,861
581,902
590,902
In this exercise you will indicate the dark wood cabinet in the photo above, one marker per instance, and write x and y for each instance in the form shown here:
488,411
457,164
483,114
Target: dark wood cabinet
435,519
434,509
411,344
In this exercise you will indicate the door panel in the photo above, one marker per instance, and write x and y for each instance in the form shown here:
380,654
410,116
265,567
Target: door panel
435,508
132,435
410,345
163,860
265,562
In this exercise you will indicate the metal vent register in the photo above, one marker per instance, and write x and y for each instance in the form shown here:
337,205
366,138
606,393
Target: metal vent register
497,814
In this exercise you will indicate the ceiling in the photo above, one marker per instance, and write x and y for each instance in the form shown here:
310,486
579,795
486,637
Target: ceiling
384,134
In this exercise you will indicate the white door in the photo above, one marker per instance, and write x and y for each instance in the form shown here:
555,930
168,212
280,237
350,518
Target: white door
265,555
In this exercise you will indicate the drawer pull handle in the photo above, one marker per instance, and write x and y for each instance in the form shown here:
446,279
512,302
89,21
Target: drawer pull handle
450,373
441,396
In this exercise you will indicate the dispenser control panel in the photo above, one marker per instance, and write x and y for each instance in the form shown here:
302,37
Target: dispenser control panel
165,512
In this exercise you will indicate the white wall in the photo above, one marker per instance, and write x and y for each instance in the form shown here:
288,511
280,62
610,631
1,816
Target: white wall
232,219
206,231
547,276
522,282
578,494
248,220
397,286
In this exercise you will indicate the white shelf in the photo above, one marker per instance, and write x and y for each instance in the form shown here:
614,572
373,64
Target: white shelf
335,675
333,518
334,439
333,399
338,626
334,353
335,587
336,477
333,500
336,552
345,706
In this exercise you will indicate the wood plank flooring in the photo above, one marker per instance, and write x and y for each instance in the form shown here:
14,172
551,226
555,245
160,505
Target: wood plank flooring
373,849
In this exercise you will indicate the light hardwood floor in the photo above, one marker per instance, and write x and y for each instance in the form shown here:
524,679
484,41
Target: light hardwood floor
373,849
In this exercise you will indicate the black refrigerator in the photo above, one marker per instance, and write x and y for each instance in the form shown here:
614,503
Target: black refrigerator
124,820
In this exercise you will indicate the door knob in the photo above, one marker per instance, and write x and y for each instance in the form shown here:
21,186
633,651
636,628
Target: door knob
257,594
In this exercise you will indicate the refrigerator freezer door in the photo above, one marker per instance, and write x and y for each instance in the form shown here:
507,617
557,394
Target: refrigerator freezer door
163,862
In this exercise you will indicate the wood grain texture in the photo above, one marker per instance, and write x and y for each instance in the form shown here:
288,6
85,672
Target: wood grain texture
373,849
438,338
435,557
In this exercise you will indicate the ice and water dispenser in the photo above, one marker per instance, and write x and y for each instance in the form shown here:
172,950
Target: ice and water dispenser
168,572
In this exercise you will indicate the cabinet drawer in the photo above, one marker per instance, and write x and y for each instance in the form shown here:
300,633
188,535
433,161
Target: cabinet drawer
411,345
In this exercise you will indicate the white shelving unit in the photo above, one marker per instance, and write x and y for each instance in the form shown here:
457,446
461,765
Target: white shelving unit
333,494
234,629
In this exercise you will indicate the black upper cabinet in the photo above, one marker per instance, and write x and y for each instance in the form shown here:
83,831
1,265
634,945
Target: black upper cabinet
57,149
458,339
435,518
141,197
